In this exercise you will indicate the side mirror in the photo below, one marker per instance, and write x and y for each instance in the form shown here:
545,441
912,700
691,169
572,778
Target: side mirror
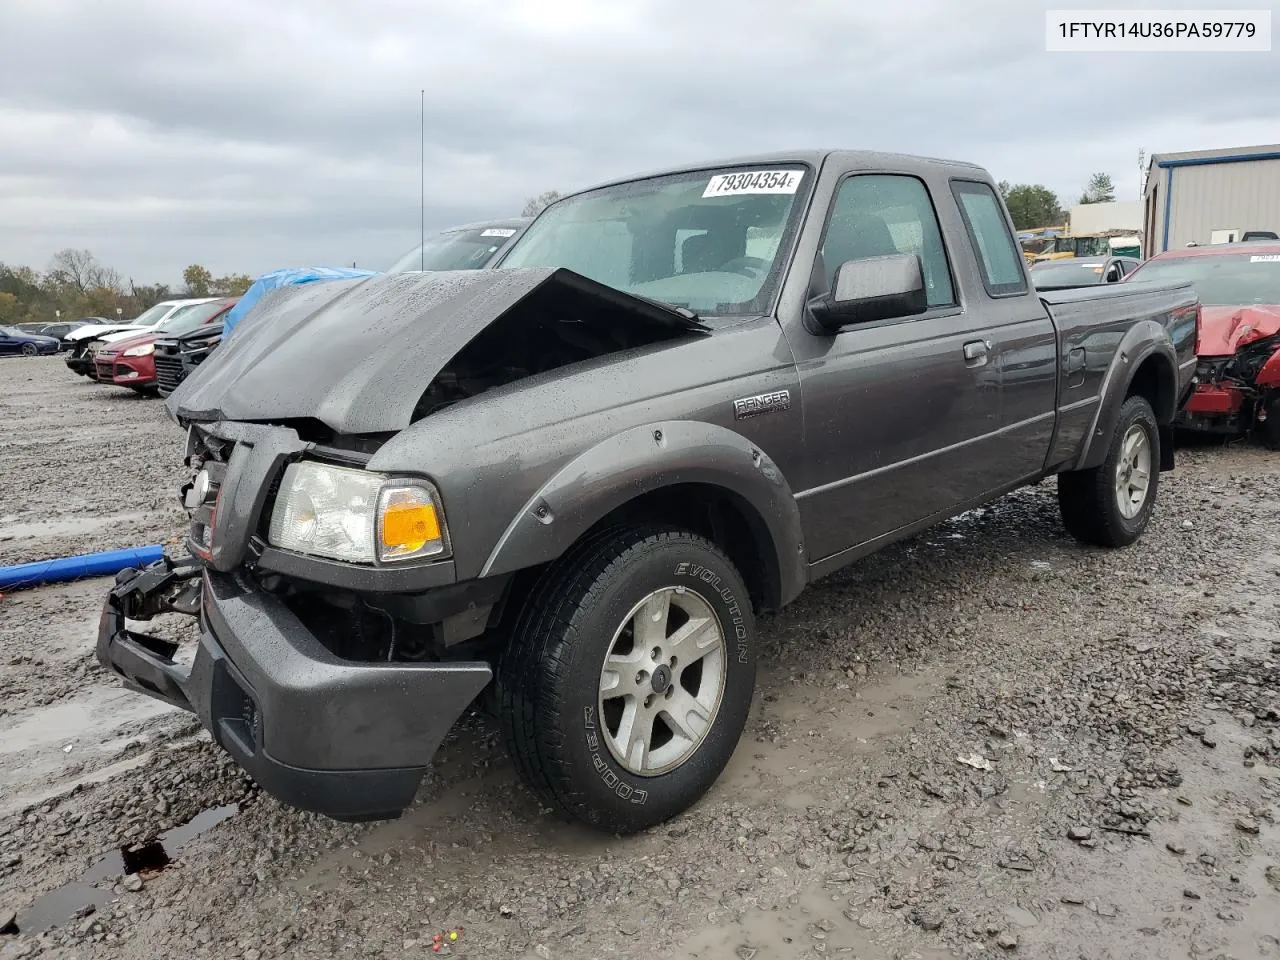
875,288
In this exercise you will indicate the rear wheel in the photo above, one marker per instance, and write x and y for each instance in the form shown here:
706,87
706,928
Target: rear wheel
1111,504
625,686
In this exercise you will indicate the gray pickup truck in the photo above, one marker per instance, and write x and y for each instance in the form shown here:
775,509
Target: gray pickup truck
564,488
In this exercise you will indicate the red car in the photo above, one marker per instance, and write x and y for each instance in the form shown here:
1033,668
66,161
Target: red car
130,361
1237,389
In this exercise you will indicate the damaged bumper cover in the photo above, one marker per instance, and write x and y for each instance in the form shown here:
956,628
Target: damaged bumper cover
347,739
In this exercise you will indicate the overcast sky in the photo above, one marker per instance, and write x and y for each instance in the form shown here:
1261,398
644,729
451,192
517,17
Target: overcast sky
254,134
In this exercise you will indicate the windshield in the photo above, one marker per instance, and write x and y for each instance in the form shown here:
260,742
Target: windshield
456,250
188,318
1237,279
1066,273
706,241
10,332
150,317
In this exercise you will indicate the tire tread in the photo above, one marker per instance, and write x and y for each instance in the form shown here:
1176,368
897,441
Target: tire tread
1086,498
529,707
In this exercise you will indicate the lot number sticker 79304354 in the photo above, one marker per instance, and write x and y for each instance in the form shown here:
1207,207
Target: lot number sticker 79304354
754,181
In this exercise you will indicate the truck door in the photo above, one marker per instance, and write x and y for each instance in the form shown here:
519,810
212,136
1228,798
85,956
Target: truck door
901,415
1020,336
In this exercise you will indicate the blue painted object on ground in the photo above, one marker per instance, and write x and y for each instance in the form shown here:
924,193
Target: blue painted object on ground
77,568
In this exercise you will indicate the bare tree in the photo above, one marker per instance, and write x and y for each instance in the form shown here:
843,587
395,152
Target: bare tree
73,268
79,269
535,205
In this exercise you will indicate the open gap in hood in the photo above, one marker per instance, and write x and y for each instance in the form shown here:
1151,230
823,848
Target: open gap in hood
566,320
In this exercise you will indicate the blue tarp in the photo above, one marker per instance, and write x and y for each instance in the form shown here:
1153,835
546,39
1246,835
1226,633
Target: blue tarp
284,278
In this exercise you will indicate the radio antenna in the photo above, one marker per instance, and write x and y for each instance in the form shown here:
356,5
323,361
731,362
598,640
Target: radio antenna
422,182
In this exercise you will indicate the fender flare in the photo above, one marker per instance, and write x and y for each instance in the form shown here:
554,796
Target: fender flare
640,460
1144,340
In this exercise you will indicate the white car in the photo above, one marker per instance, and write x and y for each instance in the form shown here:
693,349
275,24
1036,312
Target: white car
148,318
79,341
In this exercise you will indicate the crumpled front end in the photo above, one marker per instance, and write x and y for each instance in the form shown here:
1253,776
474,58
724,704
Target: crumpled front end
1237,385
303,684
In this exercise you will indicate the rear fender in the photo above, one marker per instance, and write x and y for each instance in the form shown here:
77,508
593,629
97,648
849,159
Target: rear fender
1144,340
639,461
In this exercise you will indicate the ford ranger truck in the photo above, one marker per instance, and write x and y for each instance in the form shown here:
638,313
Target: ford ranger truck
563,489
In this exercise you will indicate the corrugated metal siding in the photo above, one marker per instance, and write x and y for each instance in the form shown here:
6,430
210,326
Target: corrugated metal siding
1243,195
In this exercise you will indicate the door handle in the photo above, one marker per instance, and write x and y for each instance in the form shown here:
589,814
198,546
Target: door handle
975,352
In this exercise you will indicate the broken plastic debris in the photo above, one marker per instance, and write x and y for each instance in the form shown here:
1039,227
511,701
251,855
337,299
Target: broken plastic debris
68,748
975,760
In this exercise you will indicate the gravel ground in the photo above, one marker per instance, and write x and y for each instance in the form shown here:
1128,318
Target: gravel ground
984,741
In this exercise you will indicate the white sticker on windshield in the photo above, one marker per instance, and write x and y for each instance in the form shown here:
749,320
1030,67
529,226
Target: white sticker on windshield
754,181
1265,258
498,232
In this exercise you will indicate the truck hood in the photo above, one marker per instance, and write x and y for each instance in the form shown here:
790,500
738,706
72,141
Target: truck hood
358,355
208,331
1225,329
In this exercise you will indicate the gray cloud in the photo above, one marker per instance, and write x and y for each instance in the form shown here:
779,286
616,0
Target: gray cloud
250,135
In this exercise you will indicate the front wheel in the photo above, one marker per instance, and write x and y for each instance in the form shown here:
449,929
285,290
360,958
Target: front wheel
29,349
1111,504
625,686
1269,429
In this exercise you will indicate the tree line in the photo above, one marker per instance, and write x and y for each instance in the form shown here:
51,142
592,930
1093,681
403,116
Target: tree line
1034,205
76,284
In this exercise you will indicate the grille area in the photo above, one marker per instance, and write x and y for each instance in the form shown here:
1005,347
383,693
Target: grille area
168,370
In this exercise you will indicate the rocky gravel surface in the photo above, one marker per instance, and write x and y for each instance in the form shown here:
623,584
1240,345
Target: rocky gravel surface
986,741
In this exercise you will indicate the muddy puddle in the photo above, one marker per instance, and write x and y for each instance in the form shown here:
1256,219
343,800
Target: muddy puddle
11,529
84,896
64,737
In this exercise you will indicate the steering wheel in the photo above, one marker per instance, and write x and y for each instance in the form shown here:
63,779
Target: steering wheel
752,267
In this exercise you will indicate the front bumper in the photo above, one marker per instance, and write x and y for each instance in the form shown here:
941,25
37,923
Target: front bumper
81,364
125,371
347,739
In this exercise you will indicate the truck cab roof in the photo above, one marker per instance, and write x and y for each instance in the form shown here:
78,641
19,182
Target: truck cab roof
868,160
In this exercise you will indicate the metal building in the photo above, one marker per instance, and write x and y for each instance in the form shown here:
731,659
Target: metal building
1210,196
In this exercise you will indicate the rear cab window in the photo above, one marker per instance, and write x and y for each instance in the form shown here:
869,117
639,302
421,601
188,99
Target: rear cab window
999,261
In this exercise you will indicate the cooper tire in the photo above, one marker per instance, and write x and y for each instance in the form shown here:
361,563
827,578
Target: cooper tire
562,704
1093,503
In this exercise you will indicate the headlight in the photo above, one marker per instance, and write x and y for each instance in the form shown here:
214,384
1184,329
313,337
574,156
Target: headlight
356,516
145,351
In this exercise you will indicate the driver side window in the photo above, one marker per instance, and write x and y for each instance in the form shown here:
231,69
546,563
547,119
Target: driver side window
878,215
